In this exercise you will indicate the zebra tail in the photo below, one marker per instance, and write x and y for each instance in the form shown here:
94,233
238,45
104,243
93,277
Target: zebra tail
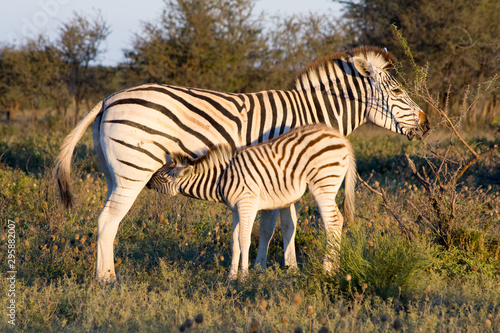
350,187
63,160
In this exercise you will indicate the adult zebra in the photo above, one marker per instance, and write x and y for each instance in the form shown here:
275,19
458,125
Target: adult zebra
137,130
271,175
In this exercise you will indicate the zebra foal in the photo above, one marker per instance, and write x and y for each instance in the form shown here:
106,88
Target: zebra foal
271,175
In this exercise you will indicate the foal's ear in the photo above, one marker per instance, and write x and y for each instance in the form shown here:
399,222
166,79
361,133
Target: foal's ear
185,171
179,171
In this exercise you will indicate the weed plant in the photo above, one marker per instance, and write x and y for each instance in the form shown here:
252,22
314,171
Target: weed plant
173,254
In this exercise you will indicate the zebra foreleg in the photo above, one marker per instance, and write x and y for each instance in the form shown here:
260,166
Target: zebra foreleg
246,213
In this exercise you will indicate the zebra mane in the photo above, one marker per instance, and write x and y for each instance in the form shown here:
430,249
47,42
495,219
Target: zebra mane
215,156
180,158
374,55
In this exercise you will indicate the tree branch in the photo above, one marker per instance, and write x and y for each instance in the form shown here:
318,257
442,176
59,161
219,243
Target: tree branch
469,164
417,175
388,207
450,123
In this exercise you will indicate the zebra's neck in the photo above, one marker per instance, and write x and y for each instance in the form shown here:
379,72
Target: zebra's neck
333,95
340,106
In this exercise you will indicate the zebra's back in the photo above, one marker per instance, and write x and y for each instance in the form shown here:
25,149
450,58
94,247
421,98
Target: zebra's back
277,172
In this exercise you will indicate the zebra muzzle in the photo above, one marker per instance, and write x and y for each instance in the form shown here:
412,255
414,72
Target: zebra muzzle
421,131
424,125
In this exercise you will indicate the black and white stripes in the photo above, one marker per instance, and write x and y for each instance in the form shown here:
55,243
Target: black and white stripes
137,130
270,175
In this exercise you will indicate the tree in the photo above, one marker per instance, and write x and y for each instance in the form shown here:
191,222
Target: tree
461,39
10,87
214,44
221,45
80,43
30,75
297,40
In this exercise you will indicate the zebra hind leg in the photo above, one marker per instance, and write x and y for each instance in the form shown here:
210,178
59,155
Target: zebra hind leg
268,219
332,222
288,216
121,196
117,205
235,248
333,229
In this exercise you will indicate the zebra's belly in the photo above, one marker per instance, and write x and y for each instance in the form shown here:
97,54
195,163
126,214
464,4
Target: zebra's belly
260,198
281,199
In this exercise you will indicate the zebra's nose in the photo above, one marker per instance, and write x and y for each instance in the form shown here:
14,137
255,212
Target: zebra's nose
424,122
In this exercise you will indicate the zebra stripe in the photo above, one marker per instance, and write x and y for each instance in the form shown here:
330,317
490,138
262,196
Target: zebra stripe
269,176
342,91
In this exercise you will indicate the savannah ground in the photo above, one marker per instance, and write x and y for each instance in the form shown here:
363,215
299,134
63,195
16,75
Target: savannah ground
173,254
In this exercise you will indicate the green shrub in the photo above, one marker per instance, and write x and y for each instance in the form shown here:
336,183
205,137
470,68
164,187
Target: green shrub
173,256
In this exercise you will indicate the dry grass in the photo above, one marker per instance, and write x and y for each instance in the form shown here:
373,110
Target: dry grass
173,255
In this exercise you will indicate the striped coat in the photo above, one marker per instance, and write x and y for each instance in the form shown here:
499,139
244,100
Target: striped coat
270,175
137,130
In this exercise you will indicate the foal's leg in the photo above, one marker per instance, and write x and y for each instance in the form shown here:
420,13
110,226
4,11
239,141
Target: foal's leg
332,222
247,212
288,217
333,230
268,220
235,248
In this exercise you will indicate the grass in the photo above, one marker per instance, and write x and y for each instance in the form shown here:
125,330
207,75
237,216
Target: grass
173,254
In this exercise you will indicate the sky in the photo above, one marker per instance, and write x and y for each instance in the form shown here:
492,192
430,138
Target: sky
24,19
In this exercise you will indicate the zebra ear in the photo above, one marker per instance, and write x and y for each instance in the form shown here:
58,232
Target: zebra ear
362,66
184,171
173,170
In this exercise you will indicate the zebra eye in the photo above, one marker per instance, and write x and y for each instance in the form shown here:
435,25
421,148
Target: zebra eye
397,91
